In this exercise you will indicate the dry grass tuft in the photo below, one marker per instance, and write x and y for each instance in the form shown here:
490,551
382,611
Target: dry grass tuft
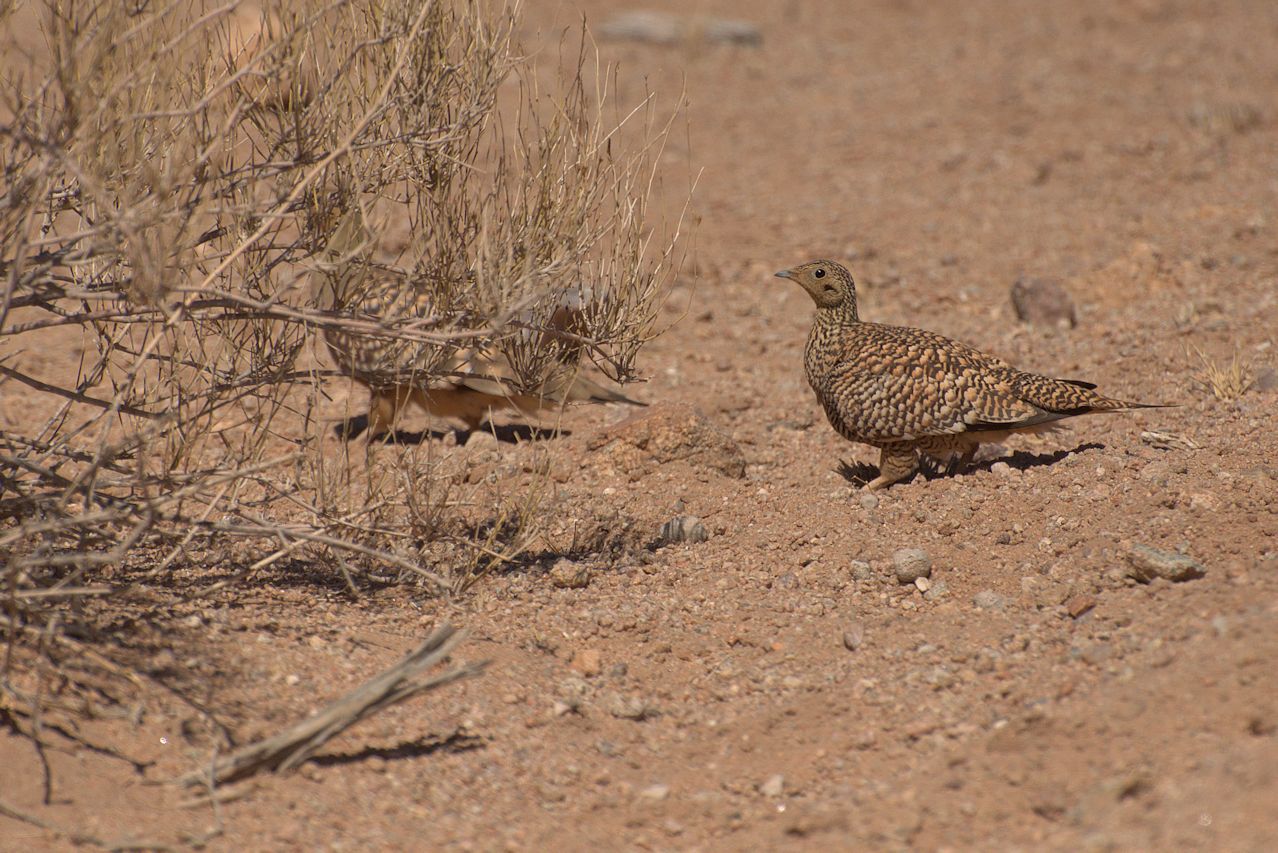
1224,382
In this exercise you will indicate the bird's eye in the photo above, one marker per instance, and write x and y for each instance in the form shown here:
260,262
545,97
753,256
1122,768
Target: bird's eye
820,273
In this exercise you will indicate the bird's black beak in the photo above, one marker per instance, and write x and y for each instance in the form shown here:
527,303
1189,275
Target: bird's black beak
785,274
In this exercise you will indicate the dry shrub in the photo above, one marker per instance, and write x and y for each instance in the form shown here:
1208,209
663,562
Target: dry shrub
174,174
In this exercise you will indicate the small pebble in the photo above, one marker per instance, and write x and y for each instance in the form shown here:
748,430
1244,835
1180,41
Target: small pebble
861,570
1098,653
988,599
922,584
588,662
869,501
566,574
938,591
1002,469
853,638
684,528
911,564
1043,302
628,707
1079,604
773,786
655,792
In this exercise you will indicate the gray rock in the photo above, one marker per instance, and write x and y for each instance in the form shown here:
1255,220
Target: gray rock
684,528
869,501
988,599
910,564
650,27
665,29
861,570
1148,563
1043,302
938,591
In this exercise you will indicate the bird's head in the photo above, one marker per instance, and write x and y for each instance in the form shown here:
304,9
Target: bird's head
829,284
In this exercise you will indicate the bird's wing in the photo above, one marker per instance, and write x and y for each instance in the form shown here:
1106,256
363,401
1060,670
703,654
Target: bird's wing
904,384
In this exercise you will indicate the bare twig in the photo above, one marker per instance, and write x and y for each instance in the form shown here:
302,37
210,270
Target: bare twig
300,741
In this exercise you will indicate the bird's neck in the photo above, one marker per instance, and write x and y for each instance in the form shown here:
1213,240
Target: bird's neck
839,315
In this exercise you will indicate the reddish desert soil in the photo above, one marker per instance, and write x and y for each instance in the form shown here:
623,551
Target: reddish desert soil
775,687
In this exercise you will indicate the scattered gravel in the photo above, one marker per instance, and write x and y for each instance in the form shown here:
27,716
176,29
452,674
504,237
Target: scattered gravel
1043,302
910,564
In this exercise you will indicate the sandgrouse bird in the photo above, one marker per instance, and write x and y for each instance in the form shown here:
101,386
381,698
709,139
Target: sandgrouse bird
908,391
464,383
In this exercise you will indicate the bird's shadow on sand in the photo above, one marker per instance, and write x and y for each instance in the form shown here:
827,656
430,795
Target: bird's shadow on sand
860,473
353,428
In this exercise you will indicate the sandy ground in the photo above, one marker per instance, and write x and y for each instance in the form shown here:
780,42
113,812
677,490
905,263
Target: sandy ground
776,687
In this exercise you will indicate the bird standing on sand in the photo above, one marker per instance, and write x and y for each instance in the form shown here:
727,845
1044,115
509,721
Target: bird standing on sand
466,383
907,391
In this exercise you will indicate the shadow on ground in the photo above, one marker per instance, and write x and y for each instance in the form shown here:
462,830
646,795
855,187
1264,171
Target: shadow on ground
353,428
860,473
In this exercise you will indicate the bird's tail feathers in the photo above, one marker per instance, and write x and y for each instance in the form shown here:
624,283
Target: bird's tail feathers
1111,406
582,389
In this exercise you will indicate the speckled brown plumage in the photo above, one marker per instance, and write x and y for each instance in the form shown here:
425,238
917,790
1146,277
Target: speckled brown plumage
466,383
907,391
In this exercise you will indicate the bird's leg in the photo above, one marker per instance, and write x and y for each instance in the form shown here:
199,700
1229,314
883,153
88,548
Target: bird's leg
895,464
968,455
